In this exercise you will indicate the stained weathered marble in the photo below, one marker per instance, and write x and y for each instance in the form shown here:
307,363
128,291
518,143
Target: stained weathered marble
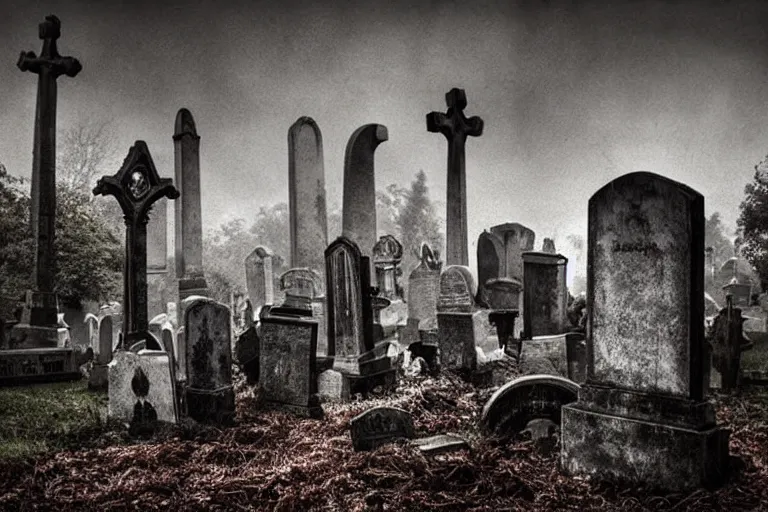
259,277
457,290
545,294
287,362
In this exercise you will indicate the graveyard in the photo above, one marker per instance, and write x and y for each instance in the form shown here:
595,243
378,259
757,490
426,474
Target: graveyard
354,357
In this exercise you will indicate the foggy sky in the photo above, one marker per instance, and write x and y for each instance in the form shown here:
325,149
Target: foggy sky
571,97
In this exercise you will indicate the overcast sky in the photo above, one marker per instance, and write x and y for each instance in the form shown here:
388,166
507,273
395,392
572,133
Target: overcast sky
572,97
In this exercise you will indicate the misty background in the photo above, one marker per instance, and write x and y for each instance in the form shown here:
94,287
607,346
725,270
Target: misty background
572,96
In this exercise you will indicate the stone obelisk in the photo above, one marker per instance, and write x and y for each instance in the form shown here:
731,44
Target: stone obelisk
38,325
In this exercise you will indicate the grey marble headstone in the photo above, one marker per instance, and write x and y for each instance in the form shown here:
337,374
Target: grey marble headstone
287,363
491,261
423,289
457,290
646,354
380,425
516,239
209,395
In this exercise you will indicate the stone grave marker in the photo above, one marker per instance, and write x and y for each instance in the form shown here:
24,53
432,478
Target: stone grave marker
456,127
359,201
209,396
545,295
142,390
461,328
378,426
387,255
518,403
491,262
646,356
188,223
303,288
306,196
287,362
259,277
99,376
246,354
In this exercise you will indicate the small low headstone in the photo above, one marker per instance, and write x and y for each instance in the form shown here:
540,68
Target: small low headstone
141,390
380,425
332,386
514,405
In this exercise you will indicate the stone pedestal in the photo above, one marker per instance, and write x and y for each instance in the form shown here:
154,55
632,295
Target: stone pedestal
623,435
459,334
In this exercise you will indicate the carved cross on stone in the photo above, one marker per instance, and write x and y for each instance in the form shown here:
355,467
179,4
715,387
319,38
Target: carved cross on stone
49,66
456,127
136,186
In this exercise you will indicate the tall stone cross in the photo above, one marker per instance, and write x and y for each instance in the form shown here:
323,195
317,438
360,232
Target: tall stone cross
48,66
136,186
455,126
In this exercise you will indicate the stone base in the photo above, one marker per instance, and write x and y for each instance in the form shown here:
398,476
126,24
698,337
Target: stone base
625,450
216,406
28,366
99,378
459,334
26,336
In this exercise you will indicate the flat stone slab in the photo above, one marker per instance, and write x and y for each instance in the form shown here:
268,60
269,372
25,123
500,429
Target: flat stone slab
440,443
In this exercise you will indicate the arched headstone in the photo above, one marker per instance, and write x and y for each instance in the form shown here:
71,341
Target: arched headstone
533,397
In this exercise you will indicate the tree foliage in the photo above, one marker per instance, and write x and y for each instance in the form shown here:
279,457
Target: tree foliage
753,224
716,237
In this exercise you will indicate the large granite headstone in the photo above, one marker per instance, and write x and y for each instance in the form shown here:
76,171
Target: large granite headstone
209,396
287,363
646,356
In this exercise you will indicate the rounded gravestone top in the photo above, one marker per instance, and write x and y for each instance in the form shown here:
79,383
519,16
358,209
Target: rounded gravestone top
518,402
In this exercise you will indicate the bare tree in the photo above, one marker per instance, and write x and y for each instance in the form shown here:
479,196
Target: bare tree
87,151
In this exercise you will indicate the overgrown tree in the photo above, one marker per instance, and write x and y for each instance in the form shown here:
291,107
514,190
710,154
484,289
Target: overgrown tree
753,224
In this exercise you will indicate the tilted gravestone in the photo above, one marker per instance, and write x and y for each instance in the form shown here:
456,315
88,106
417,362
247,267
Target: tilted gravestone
208,395
379,426
287,363
518,403
645,393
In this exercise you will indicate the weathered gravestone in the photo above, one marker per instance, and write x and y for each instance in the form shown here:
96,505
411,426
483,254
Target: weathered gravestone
387,255
157,258
142,390
455,126
460,326
189,224
287,367
516,239
378,426
359,202
209,397
491,263
518,404
259,277
644,397
306,195
545,295
566,352
303,288
423,288
350,319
